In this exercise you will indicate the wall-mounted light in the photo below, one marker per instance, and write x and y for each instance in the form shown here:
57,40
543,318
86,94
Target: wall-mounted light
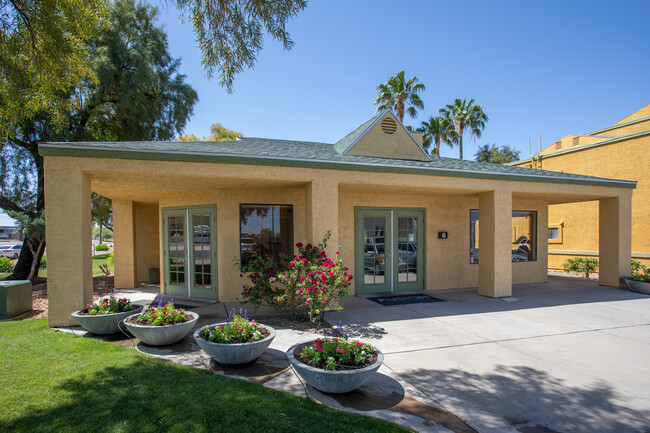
442,235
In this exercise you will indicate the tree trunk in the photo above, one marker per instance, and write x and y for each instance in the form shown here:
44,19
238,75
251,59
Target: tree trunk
101,233
400,110
27,264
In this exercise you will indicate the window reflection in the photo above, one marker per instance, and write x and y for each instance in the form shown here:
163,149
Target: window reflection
265,229
524,236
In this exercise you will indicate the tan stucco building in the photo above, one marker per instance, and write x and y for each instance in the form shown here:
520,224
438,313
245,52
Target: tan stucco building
619,151
401,219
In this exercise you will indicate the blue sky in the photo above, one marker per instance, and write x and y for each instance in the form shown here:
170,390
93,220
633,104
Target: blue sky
551,68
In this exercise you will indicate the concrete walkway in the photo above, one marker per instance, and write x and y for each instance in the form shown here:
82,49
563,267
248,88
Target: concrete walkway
563,356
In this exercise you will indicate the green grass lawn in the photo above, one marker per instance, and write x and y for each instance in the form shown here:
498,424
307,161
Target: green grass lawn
98,260
54,382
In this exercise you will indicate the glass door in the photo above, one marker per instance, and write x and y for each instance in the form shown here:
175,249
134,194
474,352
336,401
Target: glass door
175,253
373,253
189,251
389,250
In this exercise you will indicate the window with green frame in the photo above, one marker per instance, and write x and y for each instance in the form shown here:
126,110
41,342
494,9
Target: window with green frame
264,229
524,236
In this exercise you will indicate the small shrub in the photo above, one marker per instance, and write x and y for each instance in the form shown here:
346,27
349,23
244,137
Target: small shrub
101,247
6,265
44,262
305,285
162,315
640,271
110,305
337,354
238,330
582,265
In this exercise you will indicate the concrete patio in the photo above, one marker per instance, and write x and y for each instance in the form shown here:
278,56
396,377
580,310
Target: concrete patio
563,356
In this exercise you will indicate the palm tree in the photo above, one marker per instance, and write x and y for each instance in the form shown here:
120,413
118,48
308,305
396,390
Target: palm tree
398,91
437,130
465,116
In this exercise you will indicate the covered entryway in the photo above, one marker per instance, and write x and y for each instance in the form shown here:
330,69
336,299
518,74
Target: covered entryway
389,249
190,252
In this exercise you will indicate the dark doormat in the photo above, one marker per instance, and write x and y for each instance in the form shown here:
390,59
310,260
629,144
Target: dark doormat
404,299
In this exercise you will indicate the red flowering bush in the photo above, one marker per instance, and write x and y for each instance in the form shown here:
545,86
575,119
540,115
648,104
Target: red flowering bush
304,285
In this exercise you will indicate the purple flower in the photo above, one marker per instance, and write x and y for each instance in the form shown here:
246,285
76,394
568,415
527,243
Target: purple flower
346,336
171,299
160,301
245,314
324,332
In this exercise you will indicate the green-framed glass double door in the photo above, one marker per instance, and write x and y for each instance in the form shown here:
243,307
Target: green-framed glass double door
189,251
389,249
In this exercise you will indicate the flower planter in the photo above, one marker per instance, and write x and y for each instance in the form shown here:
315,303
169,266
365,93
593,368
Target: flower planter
160,335
236,353
336,382
638,286
102,324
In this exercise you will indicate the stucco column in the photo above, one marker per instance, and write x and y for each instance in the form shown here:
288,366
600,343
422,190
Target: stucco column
126,276
495,255
68,231
322,213
615,239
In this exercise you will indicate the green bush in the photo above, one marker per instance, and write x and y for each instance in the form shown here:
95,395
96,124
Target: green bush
101,247
581,264
44,262
6,265
640,271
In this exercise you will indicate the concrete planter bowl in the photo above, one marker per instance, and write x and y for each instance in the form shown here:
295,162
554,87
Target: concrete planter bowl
638,286
161,335
335,382
102,324
237,353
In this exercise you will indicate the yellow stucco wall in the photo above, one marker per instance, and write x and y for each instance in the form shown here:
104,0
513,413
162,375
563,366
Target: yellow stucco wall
377,143
147,239
627,159
321,197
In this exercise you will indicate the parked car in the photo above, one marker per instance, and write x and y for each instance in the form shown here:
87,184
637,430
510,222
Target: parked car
520,255
408,252
373,259
11,251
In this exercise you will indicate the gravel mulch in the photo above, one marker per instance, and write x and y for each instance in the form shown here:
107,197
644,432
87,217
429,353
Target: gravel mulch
102,284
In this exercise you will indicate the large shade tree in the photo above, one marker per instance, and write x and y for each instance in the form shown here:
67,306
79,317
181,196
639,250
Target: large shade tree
400,95
43,50
43,53
138,95
218,132
466,117
435,131
497,155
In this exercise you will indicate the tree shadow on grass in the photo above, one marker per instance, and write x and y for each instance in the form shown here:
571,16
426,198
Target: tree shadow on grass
531,400
150,395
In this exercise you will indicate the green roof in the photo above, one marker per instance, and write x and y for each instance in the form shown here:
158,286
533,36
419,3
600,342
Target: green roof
273,152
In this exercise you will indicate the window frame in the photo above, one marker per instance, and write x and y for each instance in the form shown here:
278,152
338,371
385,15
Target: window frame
291,243
560,235
534,234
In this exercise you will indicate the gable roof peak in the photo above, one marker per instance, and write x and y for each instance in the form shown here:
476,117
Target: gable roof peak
382,136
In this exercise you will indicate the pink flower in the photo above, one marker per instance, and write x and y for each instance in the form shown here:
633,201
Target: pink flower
220,327
336,339
320,349
317,342
299,245
343,351
302,278
304,261
358,344
153,314
292,264
309,246
337,252
240,329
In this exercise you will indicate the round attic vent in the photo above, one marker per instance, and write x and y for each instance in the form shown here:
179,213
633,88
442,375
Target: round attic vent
388,125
